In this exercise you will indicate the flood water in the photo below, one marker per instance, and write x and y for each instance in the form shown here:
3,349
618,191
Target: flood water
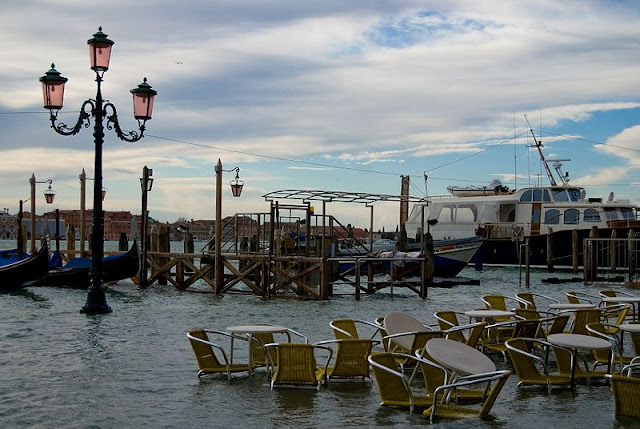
135,367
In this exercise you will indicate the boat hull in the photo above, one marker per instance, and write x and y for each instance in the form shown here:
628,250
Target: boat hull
505,252
450,257
77,274
22,272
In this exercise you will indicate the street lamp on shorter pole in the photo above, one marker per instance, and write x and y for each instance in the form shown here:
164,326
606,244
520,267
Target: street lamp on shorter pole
98,108
49,196
236,190
146,183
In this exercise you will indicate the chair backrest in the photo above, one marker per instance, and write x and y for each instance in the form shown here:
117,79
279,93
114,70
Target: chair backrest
558,324
572,298
433,374
493,396
582,317
421,338
447,320
344,328
635,341
525,299
351,358
496,302
607,292
393,386
526,328
259,356
622,314
522,361
204,352
528,313
296,364
597,329
626,395
476,333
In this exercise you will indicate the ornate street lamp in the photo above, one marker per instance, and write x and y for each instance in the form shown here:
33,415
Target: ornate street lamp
53,95
236,190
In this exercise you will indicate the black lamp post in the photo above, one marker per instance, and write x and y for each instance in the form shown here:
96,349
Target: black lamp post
236,190
53,94
146,183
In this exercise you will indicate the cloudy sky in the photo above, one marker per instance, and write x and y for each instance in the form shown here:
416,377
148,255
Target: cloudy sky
334,95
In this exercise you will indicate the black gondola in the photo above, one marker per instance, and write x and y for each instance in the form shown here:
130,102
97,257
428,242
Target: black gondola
75,274
33,268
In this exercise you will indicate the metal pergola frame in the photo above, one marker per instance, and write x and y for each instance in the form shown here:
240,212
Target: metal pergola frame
367,199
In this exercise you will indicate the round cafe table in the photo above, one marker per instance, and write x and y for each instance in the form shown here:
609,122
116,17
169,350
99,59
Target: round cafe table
630,327
458,357
570,305
398,323
488,313
576,342
624,299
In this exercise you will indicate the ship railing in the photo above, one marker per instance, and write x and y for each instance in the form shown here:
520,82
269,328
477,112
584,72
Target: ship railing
612,261
502,231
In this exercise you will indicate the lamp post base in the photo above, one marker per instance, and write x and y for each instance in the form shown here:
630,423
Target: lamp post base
96,301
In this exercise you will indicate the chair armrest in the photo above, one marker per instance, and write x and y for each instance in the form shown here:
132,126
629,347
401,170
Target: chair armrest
291,331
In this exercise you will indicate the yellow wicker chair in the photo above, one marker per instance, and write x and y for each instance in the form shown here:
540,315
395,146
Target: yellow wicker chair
446,321
497,302
348,328
440,408
296,365
616,312
527,299
394,387
472,338
520,328
258,340
563,361
205,351
525,366
350,358
574,297
603,357
626,394
418,341
582,317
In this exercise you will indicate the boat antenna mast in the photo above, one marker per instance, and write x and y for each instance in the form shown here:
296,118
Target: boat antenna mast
539,147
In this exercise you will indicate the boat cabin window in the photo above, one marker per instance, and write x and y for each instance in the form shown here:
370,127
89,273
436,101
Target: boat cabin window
526,196
574,195
466,213
446,215
610,214
591,215
559,195
541,195
571,216
627,214
552,217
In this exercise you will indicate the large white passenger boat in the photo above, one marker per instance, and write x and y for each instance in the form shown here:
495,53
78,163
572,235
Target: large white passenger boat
506,218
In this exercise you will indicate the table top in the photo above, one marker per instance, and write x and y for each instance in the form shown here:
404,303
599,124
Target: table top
630,327
570,305
621,299
256,329
579,341
459,357
397,322
489,313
